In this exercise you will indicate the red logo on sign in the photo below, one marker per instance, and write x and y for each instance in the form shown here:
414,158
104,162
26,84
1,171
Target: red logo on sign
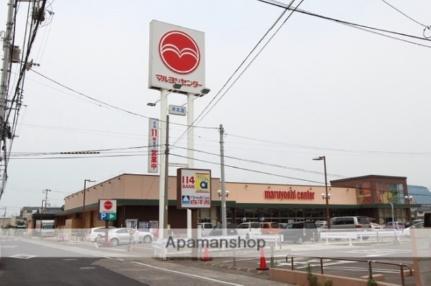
179,52
107,205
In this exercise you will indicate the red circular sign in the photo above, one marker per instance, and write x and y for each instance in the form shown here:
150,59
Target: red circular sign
107,205
179,52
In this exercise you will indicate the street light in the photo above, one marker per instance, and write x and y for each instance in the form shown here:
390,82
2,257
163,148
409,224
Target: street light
326,195
83,192
409,199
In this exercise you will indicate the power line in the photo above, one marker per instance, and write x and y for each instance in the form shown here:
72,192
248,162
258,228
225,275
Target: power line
106,104
225,88
372,29
404,14
81,157
248,170
260,162
310,147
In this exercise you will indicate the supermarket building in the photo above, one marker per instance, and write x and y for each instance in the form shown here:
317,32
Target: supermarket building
137,201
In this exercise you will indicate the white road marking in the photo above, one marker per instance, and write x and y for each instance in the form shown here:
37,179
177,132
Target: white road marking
87,268
187,274
22,256
9,246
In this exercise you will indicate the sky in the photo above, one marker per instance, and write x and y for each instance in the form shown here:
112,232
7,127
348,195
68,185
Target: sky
318,88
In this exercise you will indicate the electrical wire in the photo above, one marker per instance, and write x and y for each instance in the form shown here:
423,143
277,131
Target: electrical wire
93,99
404,14
225,88
260,162
376,30
310,147
247,169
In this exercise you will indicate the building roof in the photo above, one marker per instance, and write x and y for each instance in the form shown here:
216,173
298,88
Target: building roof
421,194
368,177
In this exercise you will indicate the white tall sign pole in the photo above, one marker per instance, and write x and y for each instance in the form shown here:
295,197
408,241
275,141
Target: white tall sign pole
162,126
190,147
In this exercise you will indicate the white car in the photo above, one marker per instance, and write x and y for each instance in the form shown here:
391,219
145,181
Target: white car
249,229
96,232
119,236
144,236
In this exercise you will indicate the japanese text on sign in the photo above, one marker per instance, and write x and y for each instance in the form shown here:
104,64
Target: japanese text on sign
153,145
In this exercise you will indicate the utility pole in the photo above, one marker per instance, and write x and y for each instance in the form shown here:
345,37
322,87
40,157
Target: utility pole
222,186
83,193
166,205
162,154
46,191
7,60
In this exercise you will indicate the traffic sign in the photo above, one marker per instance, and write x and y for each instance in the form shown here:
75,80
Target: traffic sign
108,216
108,210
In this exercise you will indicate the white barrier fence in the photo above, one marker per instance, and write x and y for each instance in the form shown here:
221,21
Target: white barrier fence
377,235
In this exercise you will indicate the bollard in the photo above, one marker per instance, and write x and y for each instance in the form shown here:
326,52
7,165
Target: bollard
321,265
402,274
370,270
271,263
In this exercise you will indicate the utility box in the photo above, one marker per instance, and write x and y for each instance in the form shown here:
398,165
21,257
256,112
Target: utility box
16,55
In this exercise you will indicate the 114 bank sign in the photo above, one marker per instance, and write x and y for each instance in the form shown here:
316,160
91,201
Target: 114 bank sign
176,57
193,188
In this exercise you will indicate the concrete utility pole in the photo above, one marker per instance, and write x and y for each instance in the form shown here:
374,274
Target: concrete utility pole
46,191
222,186
163,174
7,59
166,205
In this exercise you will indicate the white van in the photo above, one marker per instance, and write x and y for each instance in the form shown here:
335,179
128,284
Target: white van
249,229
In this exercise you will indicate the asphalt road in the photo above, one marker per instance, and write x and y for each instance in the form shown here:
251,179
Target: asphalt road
31,262
25,263
59,271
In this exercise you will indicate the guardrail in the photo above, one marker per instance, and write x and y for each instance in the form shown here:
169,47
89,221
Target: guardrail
360,235
370,263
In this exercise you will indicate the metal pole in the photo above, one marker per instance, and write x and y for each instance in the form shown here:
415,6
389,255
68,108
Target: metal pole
222,185
166,205
46,199
393,215
402,275
190,147
6,61
83,197
328,220
162,126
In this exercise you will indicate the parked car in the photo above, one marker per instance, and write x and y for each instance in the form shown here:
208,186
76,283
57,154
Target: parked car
376,225
204,228
122,235
249,228
96,232
144,235
347,222
417,225
395,224
218,231
321,223
270,228
301,231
